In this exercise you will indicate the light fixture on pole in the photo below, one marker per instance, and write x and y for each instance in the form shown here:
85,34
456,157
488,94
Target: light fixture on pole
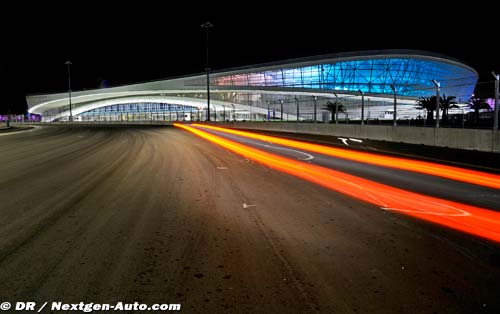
438,96
268,112
281,112
68,63
495,118
314,100
206,26
336,108
297,103
8,115
395,109
362,106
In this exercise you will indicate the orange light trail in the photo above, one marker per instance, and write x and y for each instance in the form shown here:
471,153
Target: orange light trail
466,218
449,172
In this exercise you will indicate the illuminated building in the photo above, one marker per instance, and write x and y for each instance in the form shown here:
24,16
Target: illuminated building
259,92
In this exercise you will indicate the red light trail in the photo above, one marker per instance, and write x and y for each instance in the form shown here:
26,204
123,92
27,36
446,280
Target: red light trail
466,218
449,172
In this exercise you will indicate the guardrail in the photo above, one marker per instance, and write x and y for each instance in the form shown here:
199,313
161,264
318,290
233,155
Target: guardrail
98,123
471,139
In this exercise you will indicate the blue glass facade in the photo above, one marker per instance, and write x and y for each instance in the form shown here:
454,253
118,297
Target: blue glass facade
144,107
411,77
140,111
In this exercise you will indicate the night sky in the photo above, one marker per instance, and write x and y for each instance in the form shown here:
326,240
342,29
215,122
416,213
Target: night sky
126,43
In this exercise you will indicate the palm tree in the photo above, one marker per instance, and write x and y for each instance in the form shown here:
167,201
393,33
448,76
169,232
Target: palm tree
333,107
429,104
446,103
476,104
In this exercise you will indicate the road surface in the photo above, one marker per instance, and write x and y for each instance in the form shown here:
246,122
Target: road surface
159,215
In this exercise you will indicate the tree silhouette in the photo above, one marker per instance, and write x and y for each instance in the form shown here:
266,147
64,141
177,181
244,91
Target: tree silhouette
446,103
429,104
476,104
334,107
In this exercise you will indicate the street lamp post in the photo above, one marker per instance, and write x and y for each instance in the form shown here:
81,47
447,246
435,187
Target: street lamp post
362,106
438,90
68,63
234,112
314,100
281,112
495,118
206,26
395,109
8,115
268,112
336,108
297,103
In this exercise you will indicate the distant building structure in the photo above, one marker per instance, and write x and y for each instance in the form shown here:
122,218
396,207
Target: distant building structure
273,91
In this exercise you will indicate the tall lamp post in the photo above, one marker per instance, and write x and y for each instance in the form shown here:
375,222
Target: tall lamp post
495,119
362,106
281,110
438,90
206,26
68,63
315,100
8,115
297,103
268,112
336,108
395,113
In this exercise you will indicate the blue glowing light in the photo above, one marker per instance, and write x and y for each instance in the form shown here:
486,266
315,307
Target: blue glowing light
411,77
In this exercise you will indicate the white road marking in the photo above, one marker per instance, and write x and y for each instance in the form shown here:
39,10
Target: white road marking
355,140
344,140
245,205
20,131
308,156
460,212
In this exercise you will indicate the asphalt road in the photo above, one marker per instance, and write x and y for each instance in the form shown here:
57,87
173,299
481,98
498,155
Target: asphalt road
421,183
159,215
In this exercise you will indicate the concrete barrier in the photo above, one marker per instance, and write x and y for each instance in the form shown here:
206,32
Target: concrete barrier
471,139
100,123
